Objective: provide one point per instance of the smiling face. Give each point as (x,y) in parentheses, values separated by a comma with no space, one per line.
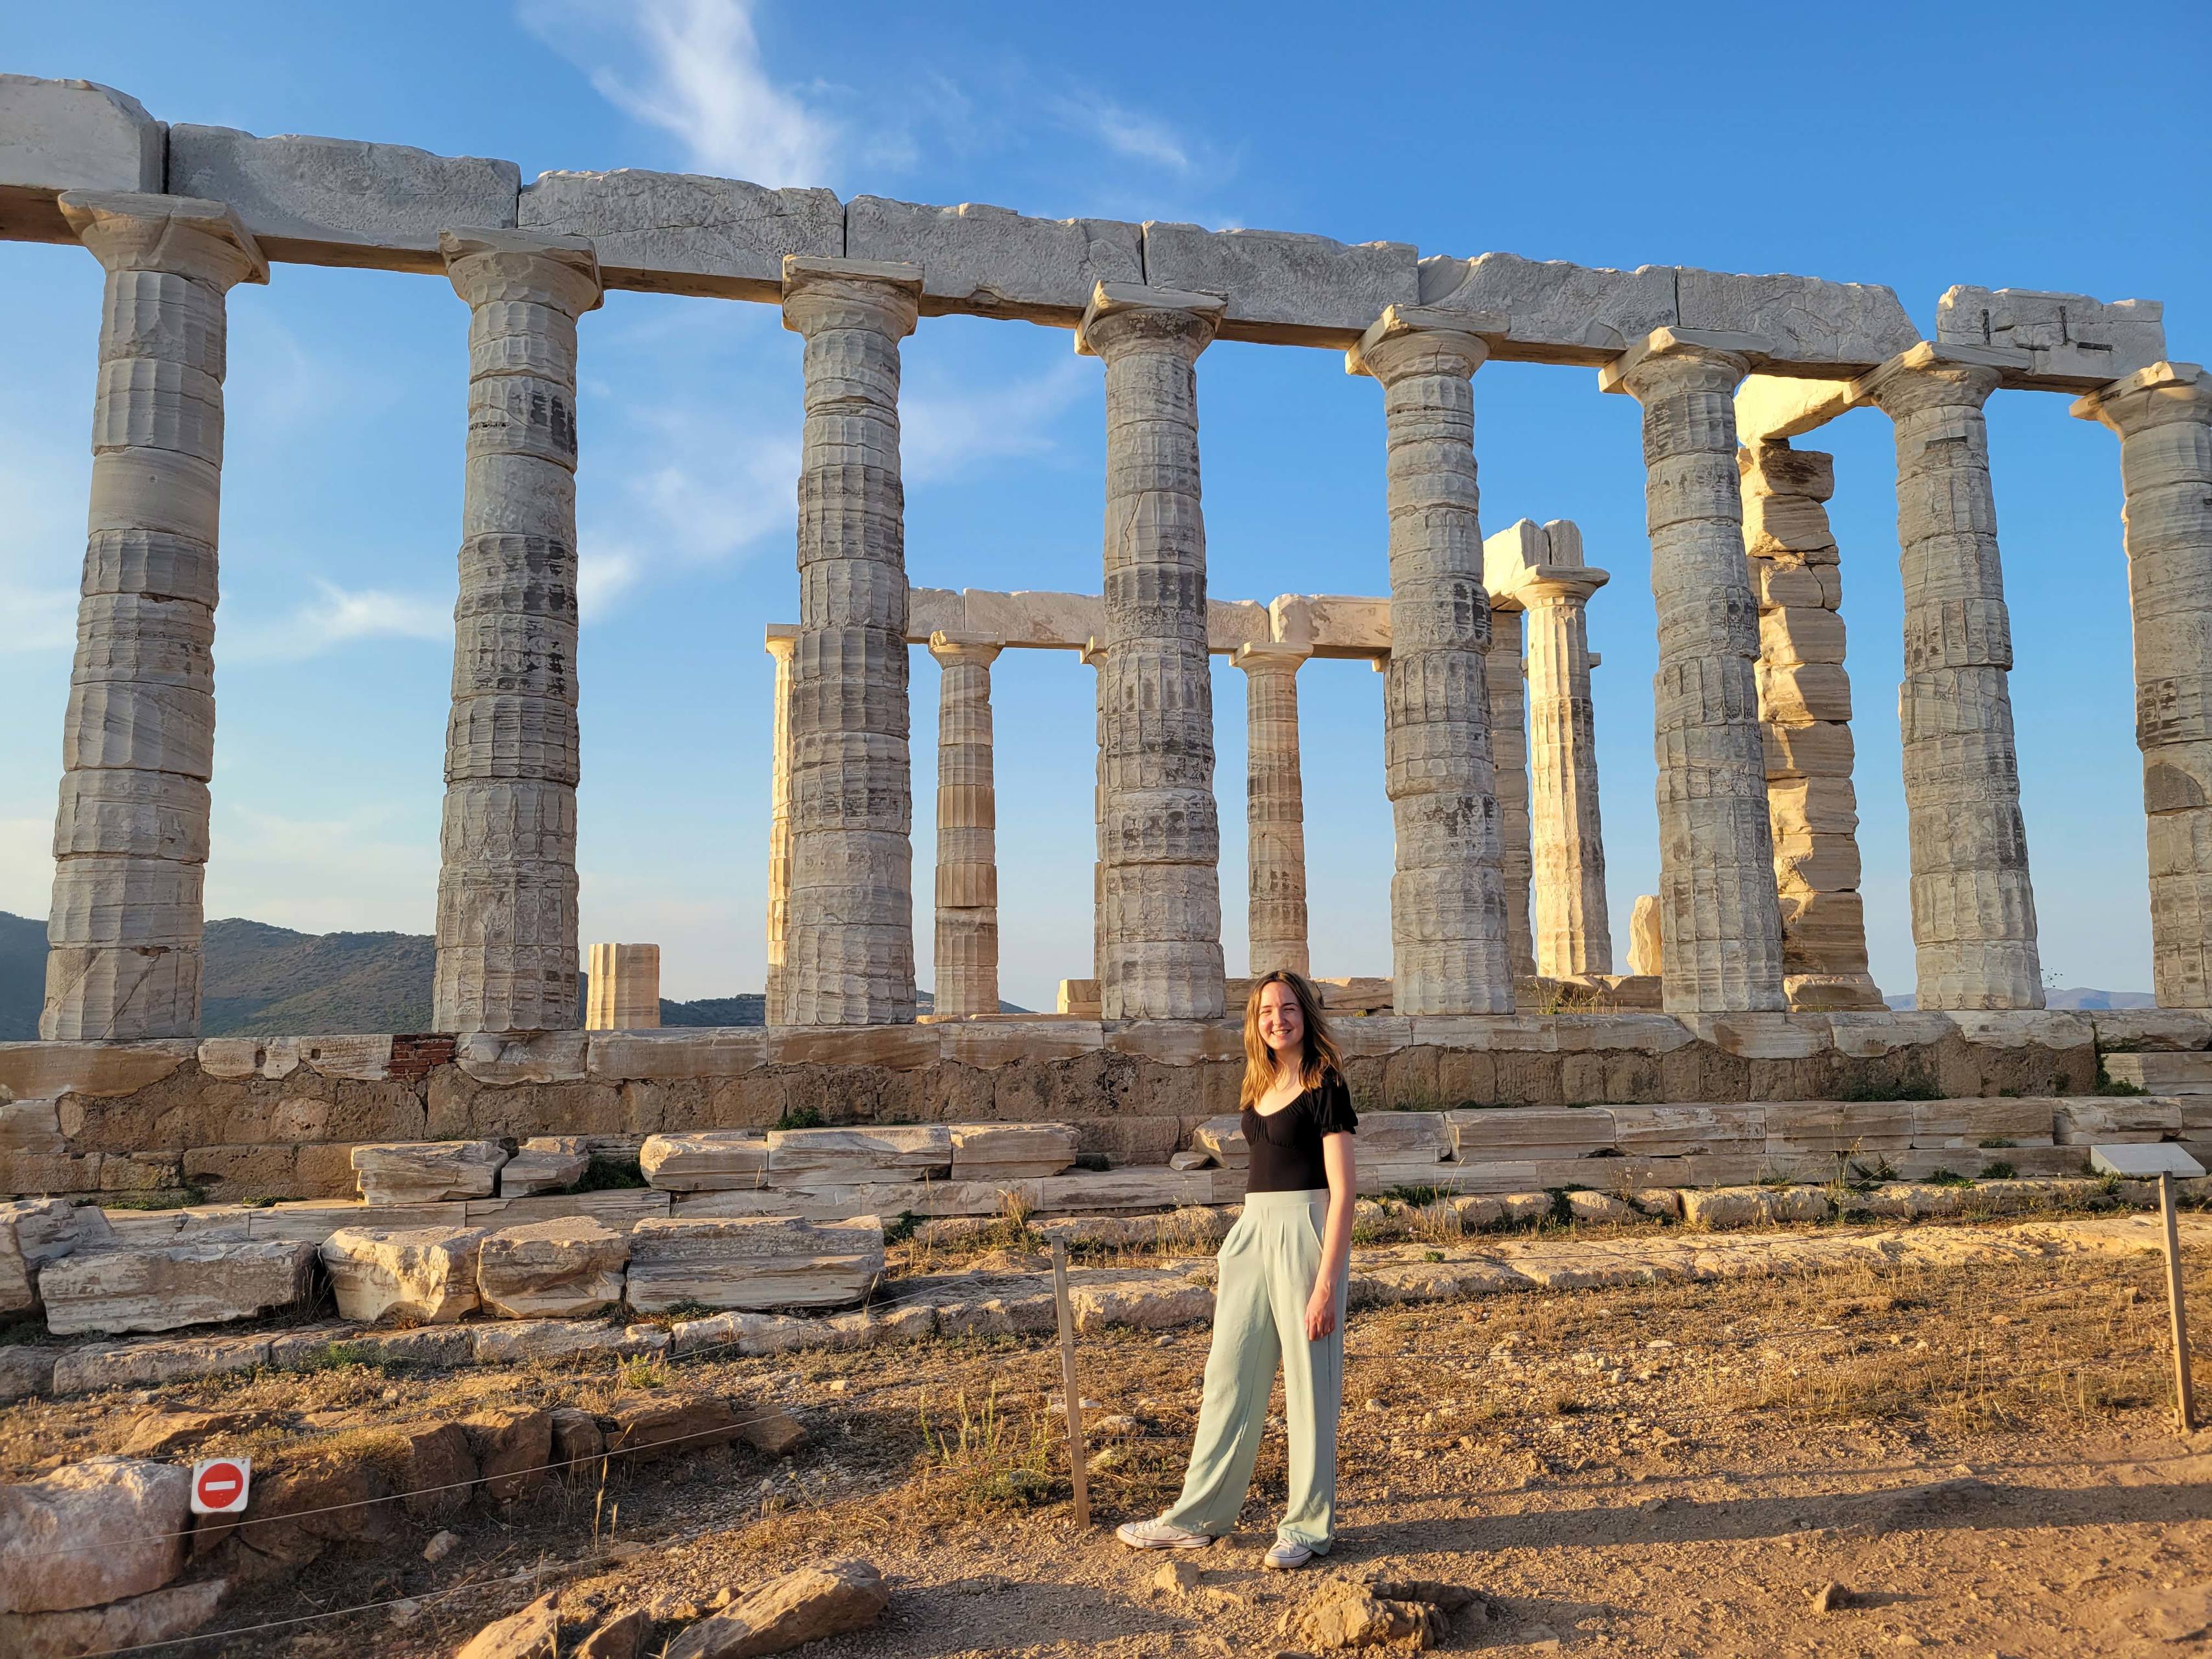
(1282,1024)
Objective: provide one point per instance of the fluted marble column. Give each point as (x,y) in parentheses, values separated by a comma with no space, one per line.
(1574,932)
(1450,947)
(849,952)
(1092,656)
(506,876)
(130,838)
(1973,905)
(1718,910)
(1159,899)
(2163,414)
(967,829)
(781,643)
(1274,809)
(1507,678)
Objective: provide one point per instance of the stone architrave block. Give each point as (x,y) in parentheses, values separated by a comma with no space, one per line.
(70,135)
(684,233)
(429,1273)
(163,1288)
(2072,340)
(339,202)
(1222,1139)
(1837,329)
(1688,1131)
(986,1152)
(705,1160)
(546,1162)
(1404,1137)
(1529,1134)
(753,1263)
(1554,312)
(993,261)
(35,1232)
(567,1268)
(917,1151)
(2162,1073)
(1283,287)
(2115,1119)
(427,1171)
(92,1533)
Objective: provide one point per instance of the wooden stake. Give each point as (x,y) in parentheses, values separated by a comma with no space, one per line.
(2185,1393)
(1077,1455)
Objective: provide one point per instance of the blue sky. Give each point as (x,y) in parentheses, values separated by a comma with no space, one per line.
(2005,145)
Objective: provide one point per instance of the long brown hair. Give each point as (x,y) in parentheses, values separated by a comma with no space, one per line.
(1321,1057)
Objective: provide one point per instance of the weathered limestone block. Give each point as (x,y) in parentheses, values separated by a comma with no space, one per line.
(35,1232)
(546,1162)
(1807,322)
(987,1152)
(568,1268)
(70,135)
(427,1171)
(799,1607)
(1283,285)
(25,1371)
(848,957)
(156,1619)
(1451,946)
(1980,1120)
(86,1370)
(99,1069)
(1646,937)
(1688,1131)
(2069,338)
(993,262)
(92,1533)
(683,232)
(1157,1189)
(428,1273)
(162,1287)
(1222,1139)
(1528,1133)
(1405,1137)
(1549,311)
(625,994)
(337,201)
(2188,1073)
(705,1160)
(2119,1119)
(1722,925)
(503,1059)
(1827,1128)
(753,1263)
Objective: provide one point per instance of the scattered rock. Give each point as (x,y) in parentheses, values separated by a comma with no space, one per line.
(405,1613)
(532,1633)
(1343,1615)
(669,1421)
(512,1444)
(577,1436)
(569,1267)
(1831,1597)
(618,1639)
(92,1533)
(441,1470)
(1453,1600)
(769,1428)
(1176,1577)
(799,1607)
(158,1616)
(440,1547)
(544,1162)
(428,1273)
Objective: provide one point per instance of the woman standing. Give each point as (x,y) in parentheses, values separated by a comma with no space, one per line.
(1279,1296)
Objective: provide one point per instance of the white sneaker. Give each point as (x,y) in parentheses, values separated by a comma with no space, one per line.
(1286,1555)
(1160,1535)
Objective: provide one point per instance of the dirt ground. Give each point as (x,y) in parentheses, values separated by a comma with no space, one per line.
(1983,1456)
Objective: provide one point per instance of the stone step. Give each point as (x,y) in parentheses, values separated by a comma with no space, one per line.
(2169,1074)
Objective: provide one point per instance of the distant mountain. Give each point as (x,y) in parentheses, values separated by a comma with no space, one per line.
(2071,996)
(260,981)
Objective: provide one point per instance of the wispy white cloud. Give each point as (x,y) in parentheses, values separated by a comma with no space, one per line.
(693,68)
(1140,136)
(337,617)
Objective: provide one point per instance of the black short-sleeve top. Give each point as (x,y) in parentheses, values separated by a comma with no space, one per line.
(1286,1145)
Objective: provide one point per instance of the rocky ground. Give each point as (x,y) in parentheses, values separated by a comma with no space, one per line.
(1975,1445)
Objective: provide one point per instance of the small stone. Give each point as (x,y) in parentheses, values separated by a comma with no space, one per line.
(530,1634)
(1174,1576)
(405,1613)
(440,1547)
(1831,1597)
(799,1607)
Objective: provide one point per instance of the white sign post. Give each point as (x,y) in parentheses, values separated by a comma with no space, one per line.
(219,1485)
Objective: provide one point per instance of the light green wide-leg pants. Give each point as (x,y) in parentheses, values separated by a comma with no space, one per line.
(1267,1265)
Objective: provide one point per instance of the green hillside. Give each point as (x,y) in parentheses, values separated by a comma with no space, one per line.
(22,977)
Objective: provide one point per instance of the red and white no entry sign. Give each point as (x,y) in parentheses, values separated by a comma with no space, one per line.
(219,1485)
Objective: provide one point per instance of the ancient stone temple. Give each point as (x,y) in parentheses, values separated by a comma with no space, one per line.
(1503,987)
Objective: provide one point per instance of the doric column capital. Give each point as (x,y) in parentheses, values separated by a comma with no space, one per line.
(1270,657)
(781,640)
(1668,361)
(489,265)
(1420,340)
(1930,375)
(1526,564)
(2150,397)
(1092,652)
(880,295)
(977,650)
(177,235)
(1126,317)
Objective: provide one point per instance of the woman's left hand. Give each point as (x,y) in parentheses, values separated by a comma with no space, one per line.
(1320,1312)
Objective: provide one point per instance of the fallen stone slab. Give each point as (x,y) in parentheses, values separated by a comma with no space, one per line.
(165,1287)
(1405,1137)
(1156,1301)
(566,1268)
(665,1422)
(756,1263)
(35,1232)
(1222,1139)
(432,1346)
(544,1162)
(427,1171)
(158,1617)
(1138,1188)
(785,1612)
(429,1273)
(150,1365)
(562,1338)
(999,1151)
(705,1160)
(92,1533)
(533,1633)
(916,1151)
